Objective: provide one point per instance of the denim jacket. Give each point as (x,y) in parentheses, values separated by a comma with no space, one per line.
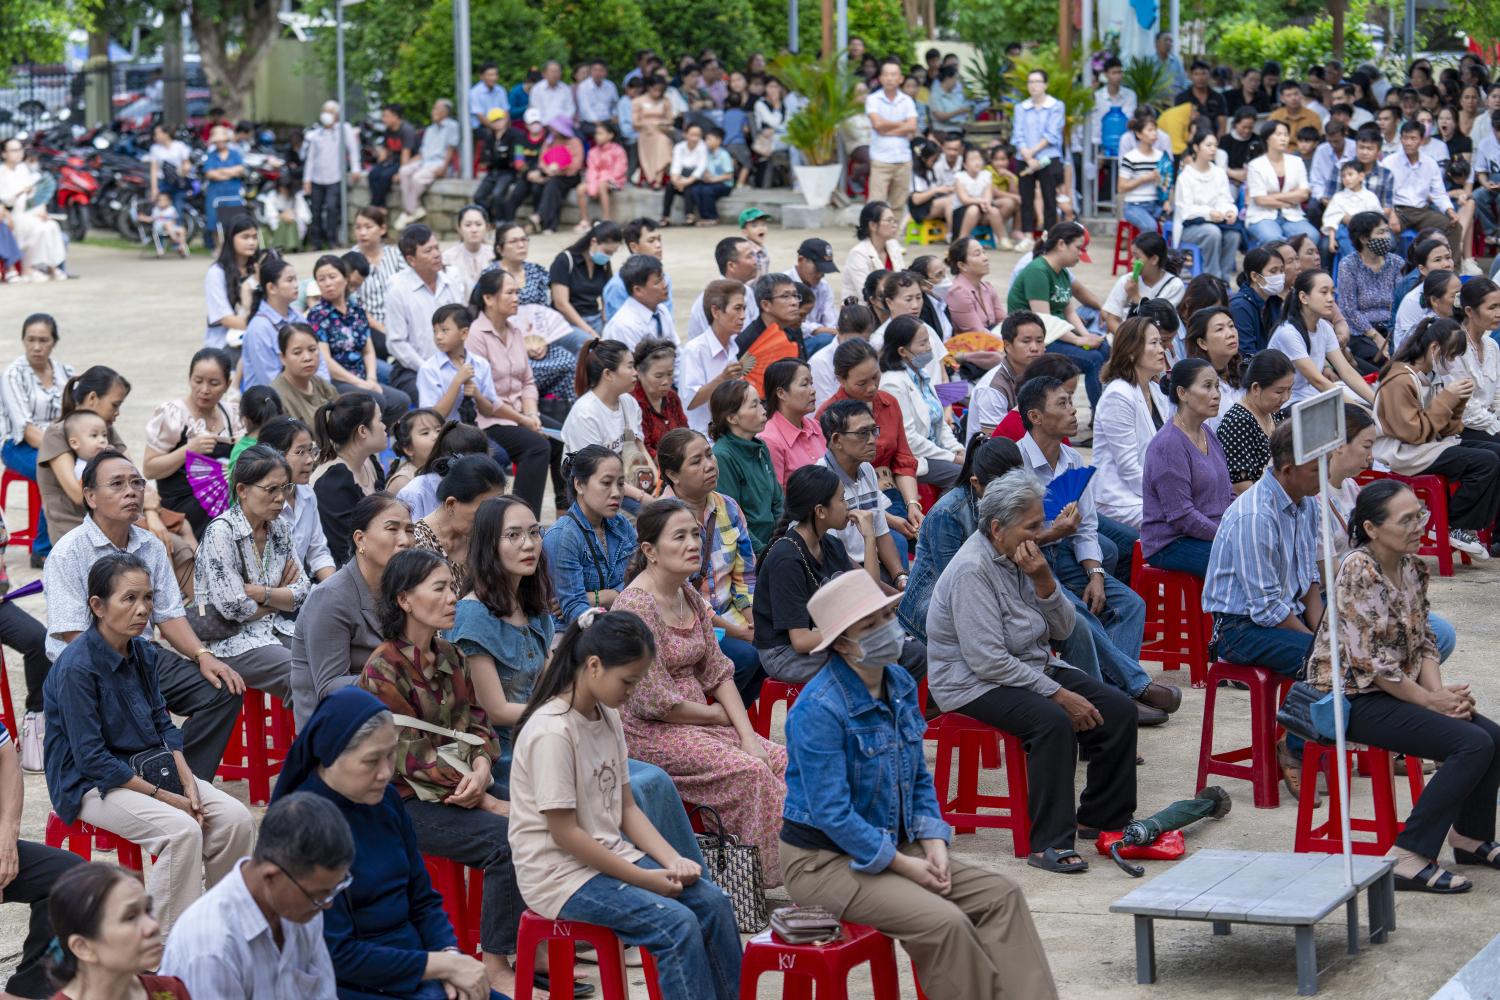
(854,770)
(944,530)
(579,564)
(101,706)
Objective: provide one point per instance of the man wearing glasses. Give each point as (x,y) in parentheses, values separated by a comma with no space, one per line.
(259,932)
(852,433)
(776,332)
(201,686)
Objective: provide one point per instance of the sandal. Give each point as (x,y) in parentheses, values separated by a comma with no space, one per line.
(1487,855)
(1432,879)
(1053,860)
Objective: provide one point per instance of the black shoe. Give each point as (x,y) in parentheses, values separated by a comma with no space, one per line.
(540,981)
(37,561)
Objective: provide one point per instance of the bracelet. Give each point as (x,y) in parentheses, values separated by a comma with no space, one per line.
(199,654)
(1096,569)
(154,790)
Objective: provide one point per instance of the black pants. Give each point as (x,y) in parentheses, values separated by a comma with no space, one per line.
(554,193)
(1050,178)
(533,454)
(382,176)
(1461,793)
(669,194)
(405,379)
(325,204)
(211,711)
(41,867)
(522,189)
(1475,466)
(1365,352)
(492,191)
(20,631)
(1108,800)
(393,402)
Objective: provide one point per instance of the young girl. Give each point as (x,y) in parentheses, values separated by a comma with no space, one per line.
(287,209)
(973,188)
(415,435)
(605,173)
(572,808)
(606,413)
(453,439)
(1006,199)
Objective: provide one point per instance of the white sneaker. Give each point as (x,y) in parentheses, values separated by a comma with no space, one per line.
(1005,243)
(418,215)
(1471,267)
(402,221)
(1025,245)
(633,957)
(1467,541)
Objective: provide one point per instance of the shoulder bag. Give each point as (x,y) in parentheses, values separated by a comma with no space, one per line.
(806,925)
(736,868)
(457,758)
(209,625)
(155,766)
(1308,712)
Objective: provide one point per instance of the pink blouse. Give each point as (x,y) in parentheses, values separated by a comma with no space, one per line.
(607,163)
(974,309)
(509,364)
(688,660)
(793,447)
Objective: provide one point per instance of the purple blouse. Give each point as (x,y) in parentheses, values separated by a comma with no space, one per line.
(1186,491)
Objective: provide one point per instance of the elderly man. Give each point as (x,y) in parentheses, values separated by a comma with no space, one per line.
(995,612)
(484,97)
(322,145)
(438,140)
(551,96)
(1166,57)
(597,95)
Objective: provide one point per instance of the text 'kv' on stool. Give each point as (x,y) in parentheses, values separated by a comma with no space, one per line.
(84,839)
(828,966)
(770,693)
(560,936)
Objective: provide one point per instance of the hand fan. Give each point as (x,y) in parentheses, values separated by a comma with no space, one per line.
(34,587)
(206,476)
(1063,490)
(949,393)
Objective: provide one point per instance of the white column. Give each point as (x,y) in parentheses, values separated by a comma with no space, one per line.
(463,73)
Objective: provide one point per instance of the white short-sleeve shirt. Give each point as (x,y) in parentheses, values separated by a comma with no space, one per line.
(1288,341)
(590,421)
(890,148)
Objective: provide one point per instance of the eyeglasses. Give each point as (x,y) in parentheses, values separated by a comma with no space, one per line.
(515,537)
(326,900)
(792,295)
(119,485)
(1415,523)
(284,492)
(516,240)
(873,431)
(310,451)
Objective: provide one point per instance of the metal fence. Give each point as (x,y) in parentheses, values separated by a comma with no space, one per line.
(35,90)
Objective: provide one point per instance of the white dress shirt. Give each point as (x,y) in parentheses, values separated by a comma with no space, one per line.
(553,101)
(633,323)
(409,305)
(688,161)
(890,148)
(320,153)
(596,101)
(1085,540)
(437,374)
(698,364)
(306,527)
(1122,429)
(943,173)
(1418,183)
(1325,162)
(698,320)
(825,384)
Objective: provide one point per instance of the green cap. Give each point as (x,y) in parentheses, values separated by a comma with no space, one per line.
(749,215)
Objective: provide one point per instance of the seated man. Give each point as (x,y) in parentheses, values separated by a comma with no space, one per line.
(438,140)
(642,236)
(776,332)
(224,946)
(995,612)
(1081,551)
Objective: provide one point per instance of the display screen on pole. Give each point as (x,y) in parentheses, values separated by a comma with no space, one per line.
(1317,425)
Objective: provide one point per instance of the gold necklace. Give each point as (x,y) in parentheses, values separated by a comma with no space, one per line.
(681,605)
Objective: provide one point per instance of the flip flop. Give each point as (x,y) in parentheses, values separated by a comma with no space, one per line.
(1432,879)
(1053,860)
(1487,855)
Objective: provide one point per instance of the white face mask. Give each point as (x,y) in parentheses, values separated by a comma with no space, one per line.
(1275,284)
(328,118)
(942,288)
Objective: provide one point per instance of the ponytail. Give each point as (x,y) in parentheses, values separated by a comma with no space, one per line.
(594,359)
(335,423)
(98,380)
(617,638)
(270,273)
(806,488)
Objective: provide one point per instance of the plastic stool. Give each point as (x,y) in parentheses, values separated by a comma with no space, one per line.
(1124,234)
(560,935)
(84,839)
(1176,629)
(462,898)
(985,235)
(770,693)
(969,737)
(9,708)
(827,966)
(1434,491)
(33,507)
(246,756)
(1375,764)
(925,232)
(1267,688)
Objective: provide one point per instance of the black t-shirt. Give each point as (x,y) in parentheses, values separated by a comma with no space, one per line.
(1238,149)
(1210,107)
(499,151)
(785,580)
(571,270)
(404,137)
(1234,99)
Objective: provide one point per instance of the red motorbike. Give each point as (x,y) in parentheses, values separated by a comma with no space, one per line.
(77,187)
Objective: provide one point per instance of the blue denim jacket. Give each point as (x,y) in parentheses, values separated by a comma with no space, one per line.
(578,563)
(854,770)
(101,706)
(944,530)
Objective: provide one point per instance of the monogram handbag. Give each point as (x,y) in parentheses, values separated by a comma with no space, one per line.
(736,868)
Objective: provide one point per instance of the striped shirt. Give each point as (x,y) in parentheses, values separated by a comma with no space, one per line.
(371,294)
(26,400)
(1265,555)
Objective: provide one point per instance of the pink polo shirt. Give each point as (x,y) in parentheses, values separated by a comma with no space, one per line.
(793,447)
(509,364)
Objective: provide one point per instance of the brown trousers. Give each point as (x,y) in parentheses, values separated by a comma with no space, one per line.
(1427,218)
(977,943)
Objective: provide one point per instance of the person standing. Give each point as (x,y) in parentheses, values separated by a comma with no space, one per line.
(1168,59)
(322,145)
(223,168)
(1038,138)
(893,121)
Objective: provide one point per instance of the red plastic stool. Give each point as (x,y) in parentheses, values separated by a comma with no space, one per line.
(1267,688)
(6,705)
(33,507)
(770,693)
(1433,491)
(1375,764)
(1177,631)
(560,935)
(1122,244)
(247,756)
(462,898)
(969,737)
(83,840)
(827,966)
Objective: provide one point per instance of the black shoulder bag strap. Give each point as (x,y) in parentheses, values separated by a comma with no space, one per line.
(591,542)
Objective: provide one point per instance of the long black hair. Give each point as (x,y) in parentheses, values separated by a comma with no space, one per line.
(1435,284)
(455,439)
(470,477)
(869,216)
(617,638)
(1373,504)
(407,426)
(228,260)
(1197,329)
(406,571)
(335,423)
(98,380)
(580,466)
(649,525)
(533,593)
(1292,310)
(603,231)
(260,405)
(280,433)
(780,374)
(898,334)
(806,488)
(987,459)
(1448,334)
(270,273)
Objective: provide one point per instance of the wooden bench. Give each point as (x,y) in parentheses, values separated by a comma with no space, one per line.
(1250,887)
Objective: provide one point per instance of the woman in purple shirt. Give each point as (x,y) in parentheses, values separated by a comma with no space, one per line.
(1186,479)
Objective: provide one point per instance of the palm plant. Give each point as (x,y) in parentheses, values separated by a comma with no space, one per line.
(1078,100)
(827,90)
(984,77)
(1150,80)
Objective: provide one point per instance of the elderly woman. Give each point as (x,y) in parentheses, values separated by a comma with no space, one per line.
(31,394)
(994,612)
(746,471)
(1185,485)
(864,834)
(293,440)
(199,422)
(104,710)
(1130,412)
(972,301)
(661,408)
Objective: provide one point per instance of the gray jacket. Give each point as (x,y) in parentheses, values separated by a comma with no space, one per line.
(336,633)
(1005,633)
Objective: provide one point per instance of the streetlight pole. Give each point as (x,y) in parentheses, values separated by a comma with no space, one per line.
(338,34)
(463,71)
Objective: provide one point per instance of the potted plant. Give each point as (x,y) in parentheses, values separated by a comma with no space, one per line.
(985,81)
(825,89)
(1150,81)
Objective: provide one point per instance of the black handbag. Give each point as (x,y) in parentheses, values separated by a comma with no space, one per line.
(1295,713)
(736,868)
(208,624)
(157,767)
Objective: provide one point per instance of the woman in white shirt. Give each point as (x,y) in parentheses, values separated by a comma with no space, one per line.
(166,151)
(1275,187)
(1211,335)
(689,161)
(906,353)
(472,254)
(40,239)
(1203,199)
(607,414)
(878,248)
(1435,296)
(1157,280)
(1306,337)
(1130,412)
(1479,313)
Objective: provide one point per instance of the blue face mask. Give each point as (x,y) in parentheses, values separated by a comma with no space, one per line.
(599,257)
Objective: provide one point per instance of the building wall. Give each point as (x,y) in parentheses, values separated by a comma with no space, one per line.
(288,89)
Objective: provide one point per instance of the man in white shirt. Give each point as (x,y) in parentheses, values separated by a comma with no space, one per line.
(320,172)
(712,359)
(1344,94)
(814,264)
(737,262)
(411,298)
(1111,95)
(1419,195)
(597,96)
(644,313)
(1389,120)
(893,121)
(226,946)
(552,97)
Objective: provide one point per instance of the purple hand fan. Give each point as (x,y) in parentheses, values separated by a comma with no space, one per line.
(949,393)
(206,476)
(34,587)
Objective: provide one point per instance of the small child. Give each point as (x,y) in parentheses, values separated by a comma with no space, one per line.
(717,180)
(164,223)
(1349,201)
(259,405)
(754,227)
(583,849)
(605,173)
(973,188)
(415,435)
(1308,139)
(87,435)
(737,135)
(454,382)
(1007,184)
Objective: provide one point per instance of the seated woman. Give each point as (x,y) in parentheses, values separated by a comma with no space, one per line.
(1262,284)
(968,930)
(746,472)
(301,389)
(248,571)
(726,581)
(469,482)
(446,747)
(590,543)
(104,706)
(904,355)
(1212,337)
(901,294)
(1245,431)
(1367,283)
(293,440)
(1130,412)
(346,341)
(972,300)
(199,422)
(350,434)
(454,439)
(1307,337)
(30,399)
(1157,281)
(1420,430)
(572,859)
(712,753)
(387,933)
(1416,302)
(1479,312)
(1275,188)
(792,433)
(104,912)
(661,407)
(1185,482)
(993,614)
(607,414)
(1397,698)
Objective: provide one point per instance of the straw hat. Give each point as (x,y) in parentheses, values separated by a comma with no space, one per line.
(843,601)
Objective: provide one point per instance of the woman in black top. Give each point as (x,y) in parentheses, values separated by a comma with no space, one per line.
(1245,431)
(579,275)
(350,434)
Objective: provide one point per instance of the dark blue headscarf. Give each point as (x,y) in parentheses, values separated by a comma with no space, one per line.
(328,732)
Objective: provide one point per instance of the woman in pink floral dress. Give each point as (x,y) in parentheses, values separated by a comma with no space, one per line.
(714,756)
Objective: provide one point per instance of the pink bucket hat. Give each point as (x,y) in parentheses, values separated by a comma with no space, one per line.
(843,601)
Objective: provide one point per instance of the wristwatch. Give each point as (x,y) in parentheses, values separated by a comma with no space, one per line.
(1096,569)
(198,656)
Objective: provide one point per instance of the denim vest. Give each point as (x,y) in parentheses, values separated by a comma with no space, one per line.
(944,530)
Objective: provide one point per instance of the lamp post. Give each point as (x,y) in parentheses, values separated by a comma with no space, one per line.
(463,72)
(338,34)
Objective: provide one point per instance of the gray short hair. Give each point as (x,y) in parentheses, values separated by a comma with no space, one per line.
(1008,498)
(446,104)
(364,732)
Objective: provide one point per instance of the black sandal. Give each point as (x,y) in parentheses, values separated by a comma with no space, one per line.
(1053,860)
(1487,855)
(1432,879)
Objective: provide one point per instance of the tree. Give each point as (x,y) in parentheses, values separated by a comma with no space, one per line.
(611,30)
(234,37)
(1479,19)
(32,31)
(1000,22)
(728,27)
(373,35)
(881,23)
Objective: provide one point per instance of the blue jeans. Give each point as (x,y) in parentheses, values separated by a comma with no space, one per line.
(1280,229)
(1119,627)
(692,938)
(817,342)
(1341,237)
(20,458)
(748,674)
(1217,246)
(657,797)
(1183,555)
(705,198)
(902,543)
(1143,214)
(1078,650)
(1089,360)
(573,342)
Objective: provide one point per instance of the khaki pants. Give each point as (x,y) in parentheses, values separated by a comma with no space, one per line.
(977,943)
(1428,218)
(416,178)
(890,183)
(187,858)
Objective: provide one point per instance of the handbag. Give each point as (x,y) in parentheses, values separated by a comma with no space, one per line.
(158,767)
(736,868)
(763,145)
(1308,712)
(806,925)
(459,760)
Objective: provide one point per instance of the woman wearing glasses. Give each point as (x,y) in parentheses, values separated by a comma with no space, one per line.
(248,572)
